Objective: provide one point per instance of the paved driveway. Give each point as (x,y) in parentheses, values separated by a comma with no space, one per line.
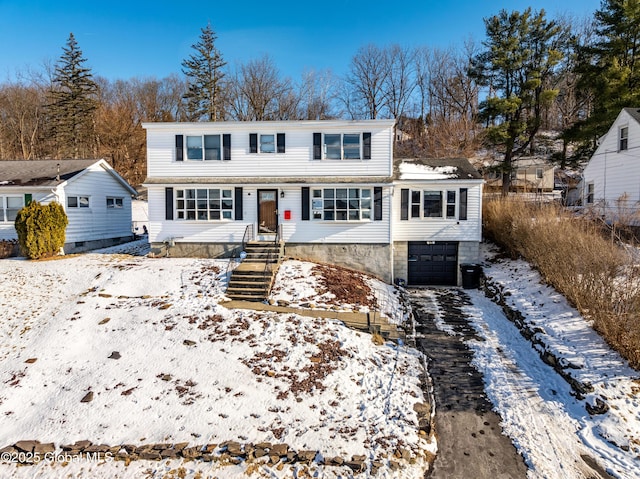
(470,442)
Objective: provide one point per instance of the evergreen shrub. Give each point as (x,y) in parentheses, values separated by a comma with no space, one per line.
(41,229)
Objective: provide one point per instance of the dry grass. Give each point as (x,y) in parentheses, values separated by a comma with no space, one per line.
(574,256)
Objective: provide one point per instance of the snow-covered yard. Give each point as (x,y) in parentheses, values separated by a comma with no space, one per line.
(145,344)
(542,414)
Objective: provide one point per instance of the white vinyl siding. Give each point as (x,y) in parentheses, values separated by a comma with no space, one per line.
(613,173)
(297,161)
(442,228)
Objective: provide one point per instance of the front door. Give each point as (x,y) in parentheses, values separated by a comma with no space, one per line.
(267,211)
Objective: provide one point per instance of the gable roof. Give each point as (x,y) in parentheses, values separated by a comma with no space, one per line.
(436,169)
(50,173)
(634,113)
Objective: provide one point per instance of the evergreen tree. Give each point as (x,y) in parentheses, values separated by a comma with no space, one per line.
(521,52)
(73,104)
(609,70)
(204,77)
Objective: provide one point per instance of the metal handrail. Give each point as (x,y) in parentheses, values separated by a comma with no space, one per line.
(246,237)
(266,271)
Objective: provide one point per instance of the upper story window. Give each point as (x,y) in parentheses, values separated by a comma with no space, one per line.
(115,203)
(77,202)
(539,173)
(203,147)
(9,207)
(266,143)
(342,146)
(204,204)
(206,147)
(623,143)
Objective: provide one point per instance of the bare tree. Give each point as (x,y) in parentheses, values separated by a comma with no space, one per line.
(316,92)
(364,93)
(400,80)
(258,93)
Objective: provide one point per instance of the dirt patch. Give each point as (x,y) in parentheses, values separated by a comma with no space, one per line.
(348,286)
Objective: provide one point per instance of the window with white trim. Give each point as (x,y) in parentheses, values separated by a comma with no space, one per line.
(204,204)
(341,204)
(115,202)
(590,193)
(77,202)
(432,204)
(449,204)
(9,207)
(623,138)
(342,146)
(204,147)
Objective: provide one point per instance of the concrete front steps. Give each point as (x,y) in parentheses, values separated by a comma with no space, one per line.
(253,278)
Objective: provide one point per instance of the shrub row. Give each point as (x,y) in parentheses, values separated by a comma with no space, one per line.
(574,256)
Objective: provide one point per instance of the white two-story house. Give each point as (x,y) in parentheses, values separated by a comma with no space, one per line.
(611,179)
(330,190)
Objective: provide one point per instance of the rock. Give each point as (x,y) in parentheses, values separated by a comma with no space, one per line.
(104,321)
(100,448)
(191,452)
(87,397)
(336,461)
(306,456)
(161,446)
(279,450)
(42,449)
(168,454)
(355,466)
(264,445)
(600,407)
(26,446)
(188,342)
(180,446)
(259,452)
(31,360)
(115,355)
(166,377)
(235,449)
(9,450)
(150,456)
(209,448)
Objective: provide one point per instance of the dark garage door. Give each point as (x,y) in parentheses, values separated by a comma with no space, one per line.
(433,263)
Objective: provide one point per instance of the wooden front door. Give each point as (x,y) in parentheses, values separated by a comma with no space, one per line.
(267,211)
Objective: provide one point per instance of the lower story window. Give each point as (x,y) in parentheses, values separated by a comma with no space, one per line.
(341,204)
(114,202)
(77,202)
(204,204)
(9,207)
(590,193)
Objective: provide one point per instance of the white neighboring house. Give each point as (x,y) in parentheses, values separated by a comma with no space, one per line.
(611,179)
(96,199)
(330,190)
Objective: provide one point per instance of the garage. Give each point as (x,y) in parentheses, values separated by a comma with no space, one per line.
(433,263)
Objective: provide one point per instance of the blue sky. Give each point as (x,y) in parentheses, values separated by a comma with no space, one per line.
(122,40)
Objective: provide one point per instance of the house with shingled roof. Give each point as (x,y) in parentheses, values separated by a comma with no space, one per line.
(327,191)
(96,199)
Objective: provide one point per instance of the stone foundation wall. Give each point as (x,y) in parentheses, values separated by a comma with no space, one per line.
(80,246)
(374,259)
(195,250)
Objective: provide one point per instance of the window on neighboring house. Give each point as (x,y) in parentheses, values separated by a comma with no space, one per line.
(432,201)
(590,193)
(9,207)
(624,138)
(113,202)
(204,204)
(204,147)
(77,202)
(539,173)
(341,204)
